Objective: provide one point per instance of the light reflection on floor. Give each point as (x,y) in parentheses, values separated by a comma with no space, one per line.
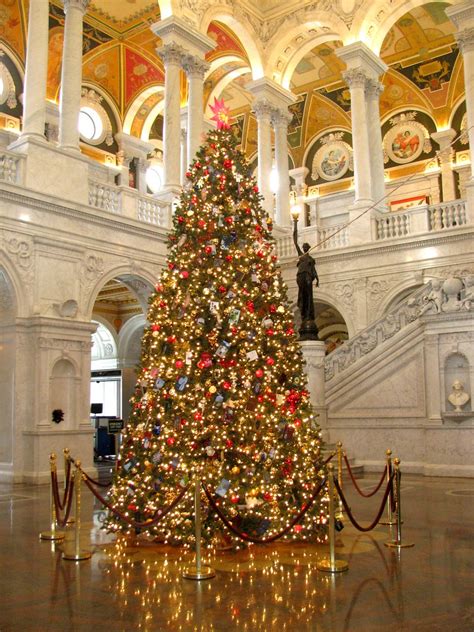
(126,586)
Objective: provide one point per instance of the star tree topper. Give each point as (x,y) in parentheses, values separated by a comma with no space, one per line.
(221,114)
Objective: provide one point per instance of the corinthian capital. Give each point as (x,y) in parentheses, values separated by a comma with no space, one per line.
(281,118)
(355,78)
(374,88)
(171,53)
(262,109)
(76,4)
(465,39)
(195,66)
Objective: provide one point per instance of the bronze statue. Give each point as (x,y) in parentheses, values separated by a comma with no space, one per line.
(305,276)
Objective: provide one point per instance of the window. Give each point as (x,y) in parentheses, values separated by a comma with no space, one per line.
(90,124)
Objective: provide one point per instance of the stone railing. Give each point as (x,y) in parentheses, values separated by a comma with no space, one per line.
(10,167)
(452,295)
(152,211)
(325,238)
(104,197)
(447,215)
(421,219)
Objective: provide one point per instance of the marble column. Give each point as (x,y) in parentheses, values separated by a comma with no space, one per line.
(172,55)
(34,100)
(132,147)
(299,175)
(445,157)
(71,74)
(373,91)
(263,111)
(183,154)
(195,68)
(357,79)
(280,120)
(314,352)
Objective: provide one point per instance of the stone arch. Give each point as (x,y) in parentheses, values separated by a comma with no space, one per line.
(13,284)
(247,39)
(8,366)
(284,55)
(104,337)
(372,25)
(150,119)
(139,281)
(137,103)
(223,83)
(395,295)
(127,344)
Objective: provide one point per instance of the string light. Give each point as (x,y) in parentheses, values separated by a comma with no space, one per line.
(221,390)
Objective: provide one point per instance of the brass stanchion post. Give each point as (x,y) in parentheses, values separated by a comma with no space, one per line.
(54,533)
(390,520)
(67,456)
(398,541)
(340,511)
(77,555)
(198,572)
(331,565)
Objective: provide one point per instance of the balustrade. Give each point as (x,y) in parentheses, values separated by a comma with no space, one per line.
(104,197)
(9,167)
(447,215)
(152,212)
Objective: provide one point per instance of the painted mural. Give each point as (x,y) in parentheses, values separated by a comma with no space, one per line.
(139,73)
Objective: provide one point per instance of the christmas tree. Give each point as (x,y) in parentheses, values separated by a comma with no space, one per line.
(221,391)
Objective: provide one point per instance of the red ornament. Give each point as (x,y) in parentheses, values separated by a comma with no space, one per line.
(198,416)
(273,308)
(270,361)
(297,422)
(170,265)
(248,210)
(228,257)
(258,228)
(197,165)
(222,289)
(229,220)
(234,499)
(188,174)
(229,443)
(297,528)
(181,219)
(155,328)
(250,306)
(227,385)
(227,163)
(259,372)
(179,364)
(201,223)
(171,339)
(290,331)
(184,274)
(267,496)
(255,189)
(170,440)
(270,332)
(158,287)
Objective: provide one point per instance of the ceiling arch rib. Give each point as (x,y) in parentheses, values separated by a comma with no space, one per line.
(137,104)
(299,55)
(150,119)
(222,85)
(372,26)
(247,39)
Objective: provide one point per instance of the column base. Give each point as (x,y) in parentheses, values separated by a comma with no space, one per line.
(360,230)
(26,137)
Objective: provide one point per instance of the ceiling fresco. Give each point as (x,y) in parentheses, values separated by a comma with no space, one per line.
(425,67)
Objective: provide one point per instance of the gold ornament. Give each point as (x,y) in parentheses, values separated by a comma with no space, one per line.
(235,470)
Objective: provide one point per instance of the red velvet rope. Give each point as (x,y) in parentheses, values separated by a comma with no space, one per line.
(369,494)
(351,517)
(133,523)
(331,456)
(68,502)
(98,483)
(247,538)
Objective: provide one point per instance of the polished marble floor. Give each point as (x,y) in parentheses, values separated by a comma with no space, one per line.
(425,588)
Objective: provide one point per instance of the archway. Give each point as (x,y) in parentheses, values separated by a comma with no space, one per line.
(8,312)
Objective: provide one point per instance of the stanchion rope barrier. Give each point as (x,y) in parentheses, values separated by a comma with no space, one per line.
(379,514)
(354,482)
(277,536)
(66,503)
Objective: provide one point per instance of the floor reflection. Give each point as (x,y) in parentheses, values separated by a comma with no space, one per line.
(263,588)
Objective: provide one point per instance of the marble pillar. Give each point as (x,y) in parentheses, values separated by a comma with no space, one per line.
(195,68)
(184,154)
(373,91)
(314,352)
(445,158)
(34,99)
(357,79)
(172,55)
(71,74)
(132,147)
(463,17)
(299,175)
(263,111)
(281,119)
